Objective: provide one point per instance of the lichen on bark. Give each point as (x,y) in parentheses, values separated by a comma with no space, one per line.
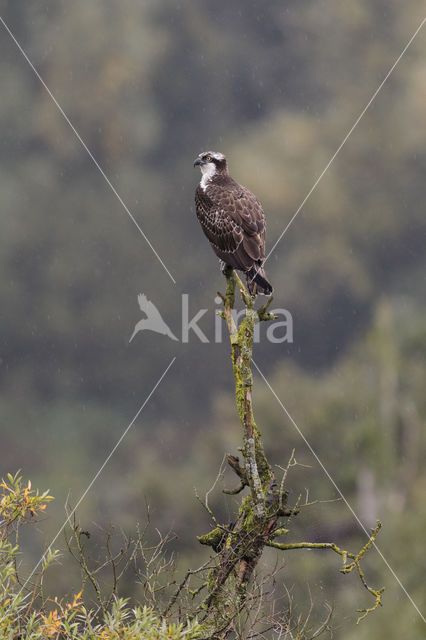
(239,545)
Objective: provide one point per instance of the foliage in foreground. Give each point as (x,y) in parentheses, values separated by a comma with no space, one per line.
(26,613)
(227,581)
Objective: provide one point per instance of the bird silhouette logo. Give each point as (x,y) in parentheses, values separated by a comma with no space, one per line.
(153,321)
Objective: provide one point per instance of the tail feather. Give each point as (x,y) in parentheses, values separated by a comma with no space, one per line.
(257,275)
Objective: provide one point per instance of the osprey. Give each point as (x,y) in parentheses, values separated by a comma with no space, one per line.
(232,219)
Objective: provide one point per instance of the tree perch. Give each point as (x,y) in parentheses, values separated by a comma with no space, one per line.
(239,545)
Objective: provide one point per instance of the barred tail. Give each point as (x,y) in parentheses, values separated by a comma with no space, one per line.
(257,275)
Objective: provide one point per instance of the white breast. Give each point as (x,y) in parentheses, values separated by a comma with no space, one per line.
(208,170)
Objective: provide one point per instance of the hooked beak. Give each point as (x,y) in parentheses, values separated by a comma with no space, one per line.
(198,162)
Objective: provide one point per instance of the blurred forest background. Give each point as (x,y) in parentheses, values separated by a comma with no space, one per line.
(275,86)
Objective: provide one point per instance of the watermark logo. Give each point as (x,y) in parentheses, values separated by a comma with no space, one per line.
(278,331)
(152,321)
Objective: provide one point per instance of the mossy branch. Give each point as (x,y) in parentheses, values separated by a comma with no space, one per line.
(239,545)
(347,567)
(257,470)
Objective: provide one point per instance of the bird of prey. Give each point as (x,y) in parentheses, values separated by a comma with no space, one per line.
(153,320)
(232,219)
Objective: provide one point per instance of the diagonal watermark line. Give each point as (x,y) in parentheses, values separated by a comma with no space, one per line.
(345,139)
(98,473)
(90,154)
(338,490)
(314,186)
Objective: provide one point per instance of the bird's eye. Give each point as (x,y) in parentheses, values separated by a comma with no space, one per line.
(208,158)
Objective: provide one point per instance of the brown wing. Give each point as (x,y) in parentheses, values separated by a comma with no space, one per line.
(249,214)
(223,232)
(232,219)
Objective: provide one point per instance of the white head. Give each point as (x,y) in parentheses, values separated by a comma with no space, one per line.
(210,163)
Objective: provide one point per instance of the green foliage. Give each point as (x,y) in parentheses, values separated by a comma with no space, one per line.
(276,86)
(29,613)
(19,503)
